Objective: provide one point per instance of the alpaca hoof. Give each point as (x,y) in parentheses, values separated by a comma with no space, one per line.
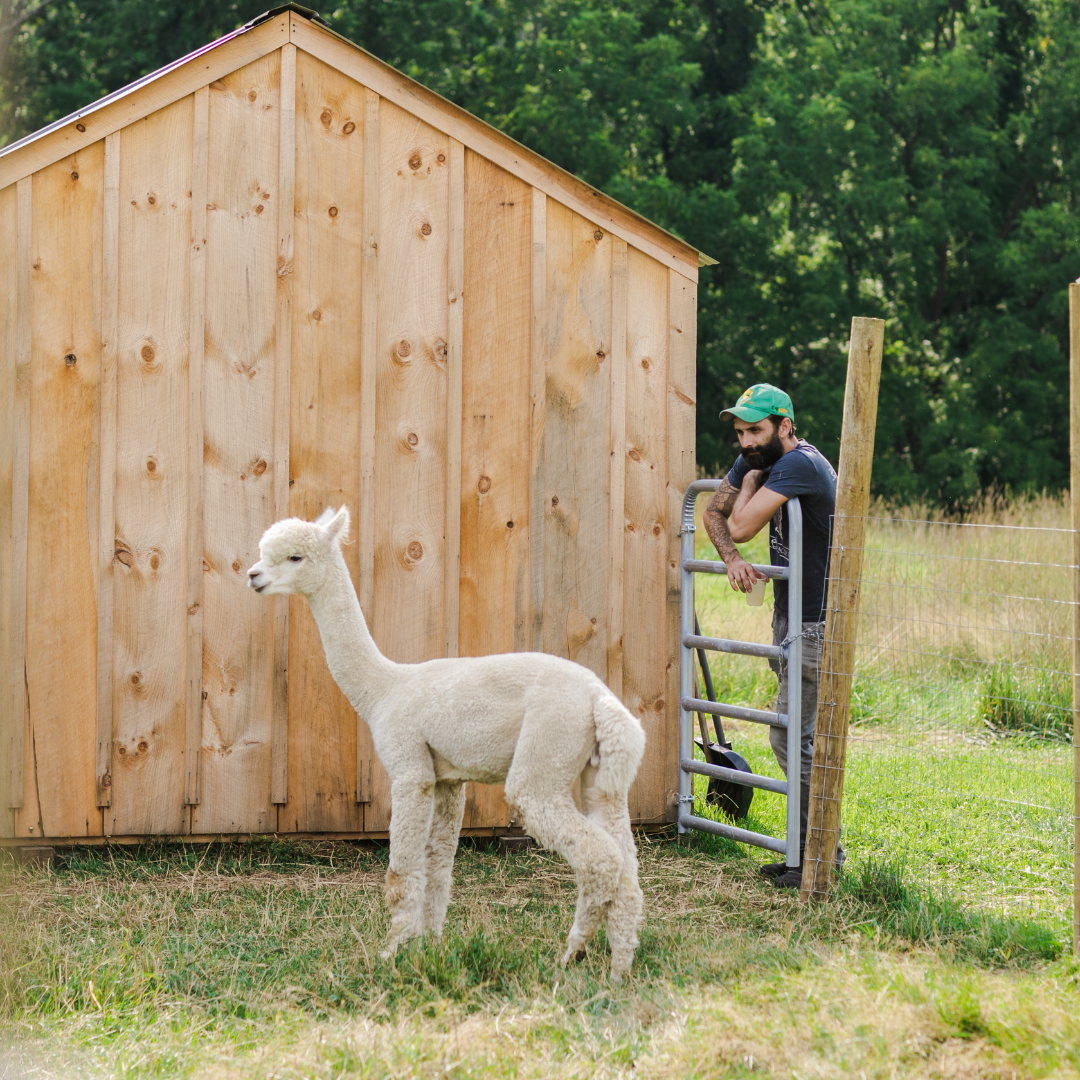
(575,954)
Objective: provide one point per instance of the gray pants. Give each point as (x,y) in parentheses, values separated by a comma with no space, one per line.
(813,637)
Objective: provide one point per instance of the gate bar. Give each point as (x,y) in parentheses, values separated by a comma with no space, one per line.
(736,776)
(733,832)
(704,566)
(730,645)
(736,712)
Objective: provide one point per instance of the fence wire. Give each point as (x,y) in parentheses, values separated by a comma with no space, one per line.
(960,764)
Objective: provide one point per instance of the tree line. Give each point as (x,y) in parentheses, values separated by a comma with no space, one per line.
(913,160)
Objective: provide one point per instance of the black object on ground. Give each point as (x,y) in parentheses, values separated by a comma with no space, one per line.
(728,797)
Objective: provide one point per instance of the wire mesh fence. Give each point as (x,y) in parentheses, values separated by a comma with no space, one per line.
(960,761)
(962,705)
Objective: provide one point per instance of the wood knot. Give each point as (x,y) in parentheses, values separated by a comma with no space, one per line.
(425,229)
(657,529)
(326,118)
(74,175)
(402,349)
(236,566)
(483,485)
(124,557)
(412,438)
(317,315)
(440,349)
(143,746)
(106,780)
(593,620)
(415,550)
(333,211)
(349,128)
(147,354)
(121,750)
(634,455)
(71,359)
(80,127)
(646,363)
(260,467)
(151,465)
(509,524)
(659,706)
(598,235)
(151,198)
(415,160)
(260,208)
(441,159)
(252,95)
(193,609)
(136,678)
(155,561)
(600,353)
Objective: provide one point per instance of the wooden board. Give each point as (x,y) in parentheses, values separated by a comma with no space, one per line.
(537,414)
(682,471)
(576,438)
(149,569)
(495,430)
(17,718)
(238,477)
(62,537)
(328,245)
(616,466)
(410,441)
(193,699)
(645,530)
(283,332)
(9,234)
(106,538)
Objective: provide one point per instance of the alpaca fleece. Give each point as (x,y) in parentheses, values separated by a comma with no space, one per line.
(536,723)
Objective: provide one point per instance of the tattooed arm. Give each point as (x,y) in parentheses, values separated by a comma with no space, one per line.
(741,574)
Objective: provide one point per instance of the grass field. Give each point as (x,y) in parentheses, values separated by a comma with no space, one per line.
(941,955)
(262,961)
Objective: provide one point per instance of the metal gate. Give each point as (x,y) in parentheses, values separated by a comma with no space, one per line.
(789,654)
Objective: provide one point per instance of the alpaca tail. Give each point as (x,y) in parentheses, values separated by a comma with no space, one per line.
(621,741)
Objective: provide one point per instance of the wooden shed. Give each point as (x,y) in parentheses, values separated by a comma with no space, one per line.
(279,275)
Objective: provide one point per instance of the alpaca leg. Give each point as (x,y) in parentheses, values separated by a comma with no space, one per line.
(624,914)
(412,802)
(556,823)
(441,848)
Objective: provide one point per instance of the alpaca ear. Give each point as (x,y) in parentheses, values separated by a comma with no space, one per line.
(325,517)
(337,528)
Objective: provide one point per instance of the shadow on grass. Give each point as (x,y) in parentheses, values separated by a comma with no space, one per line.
(921,916)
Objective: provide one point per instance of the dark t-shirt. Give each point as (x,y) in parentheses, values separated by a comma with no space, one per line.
(802,472)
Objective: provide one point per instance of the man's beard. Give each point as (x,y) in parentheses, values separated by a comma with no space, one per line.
(765,457)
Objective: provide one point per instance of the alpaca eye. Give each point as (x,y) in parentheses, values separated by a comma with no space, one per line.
(296,558)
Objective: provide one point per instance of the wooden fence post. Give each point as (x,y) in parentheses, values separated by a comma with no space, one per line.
(845,576)
(1074,490)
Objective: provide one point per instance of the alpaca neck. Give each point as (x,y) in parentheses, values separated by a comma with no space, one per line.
(360,670)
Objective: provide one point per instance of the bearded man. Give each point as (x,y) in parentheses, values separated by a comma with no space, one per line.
(775,466)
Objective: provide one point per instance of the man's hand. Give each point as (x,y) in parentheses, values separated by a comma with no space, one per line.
(741,575)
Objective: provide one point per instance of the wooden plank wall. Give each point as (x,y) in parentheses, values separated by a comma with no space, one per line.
(325,433)
(61,564)
(238,462)
(367,313)
(9,237)
(495,430)
(150,564)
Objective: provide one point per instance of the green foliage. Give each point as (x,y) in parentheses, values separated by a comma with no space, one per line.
(1025,700)
(915,160)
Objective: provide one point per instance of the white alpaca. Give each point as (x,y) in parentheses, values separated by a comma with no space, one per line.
(535,721)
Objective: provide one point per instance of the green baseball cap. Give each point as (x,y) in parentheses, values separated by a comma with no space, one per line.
(761,400)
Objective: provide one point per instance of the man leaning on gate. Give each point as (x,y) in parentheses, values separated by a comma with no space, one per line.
(775,466)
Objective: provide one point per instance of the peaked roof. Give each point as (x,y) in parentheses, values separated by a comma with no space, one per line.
(304,28)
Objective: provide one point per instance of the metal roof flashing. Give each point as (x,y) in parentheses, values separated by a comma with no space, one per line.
(313,17)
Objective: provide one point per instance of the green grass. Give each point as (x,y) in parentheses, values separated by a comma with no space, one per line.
(262,960)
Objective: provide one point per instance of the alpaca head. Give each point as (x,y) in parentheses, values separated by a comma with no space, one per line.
(296,555)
